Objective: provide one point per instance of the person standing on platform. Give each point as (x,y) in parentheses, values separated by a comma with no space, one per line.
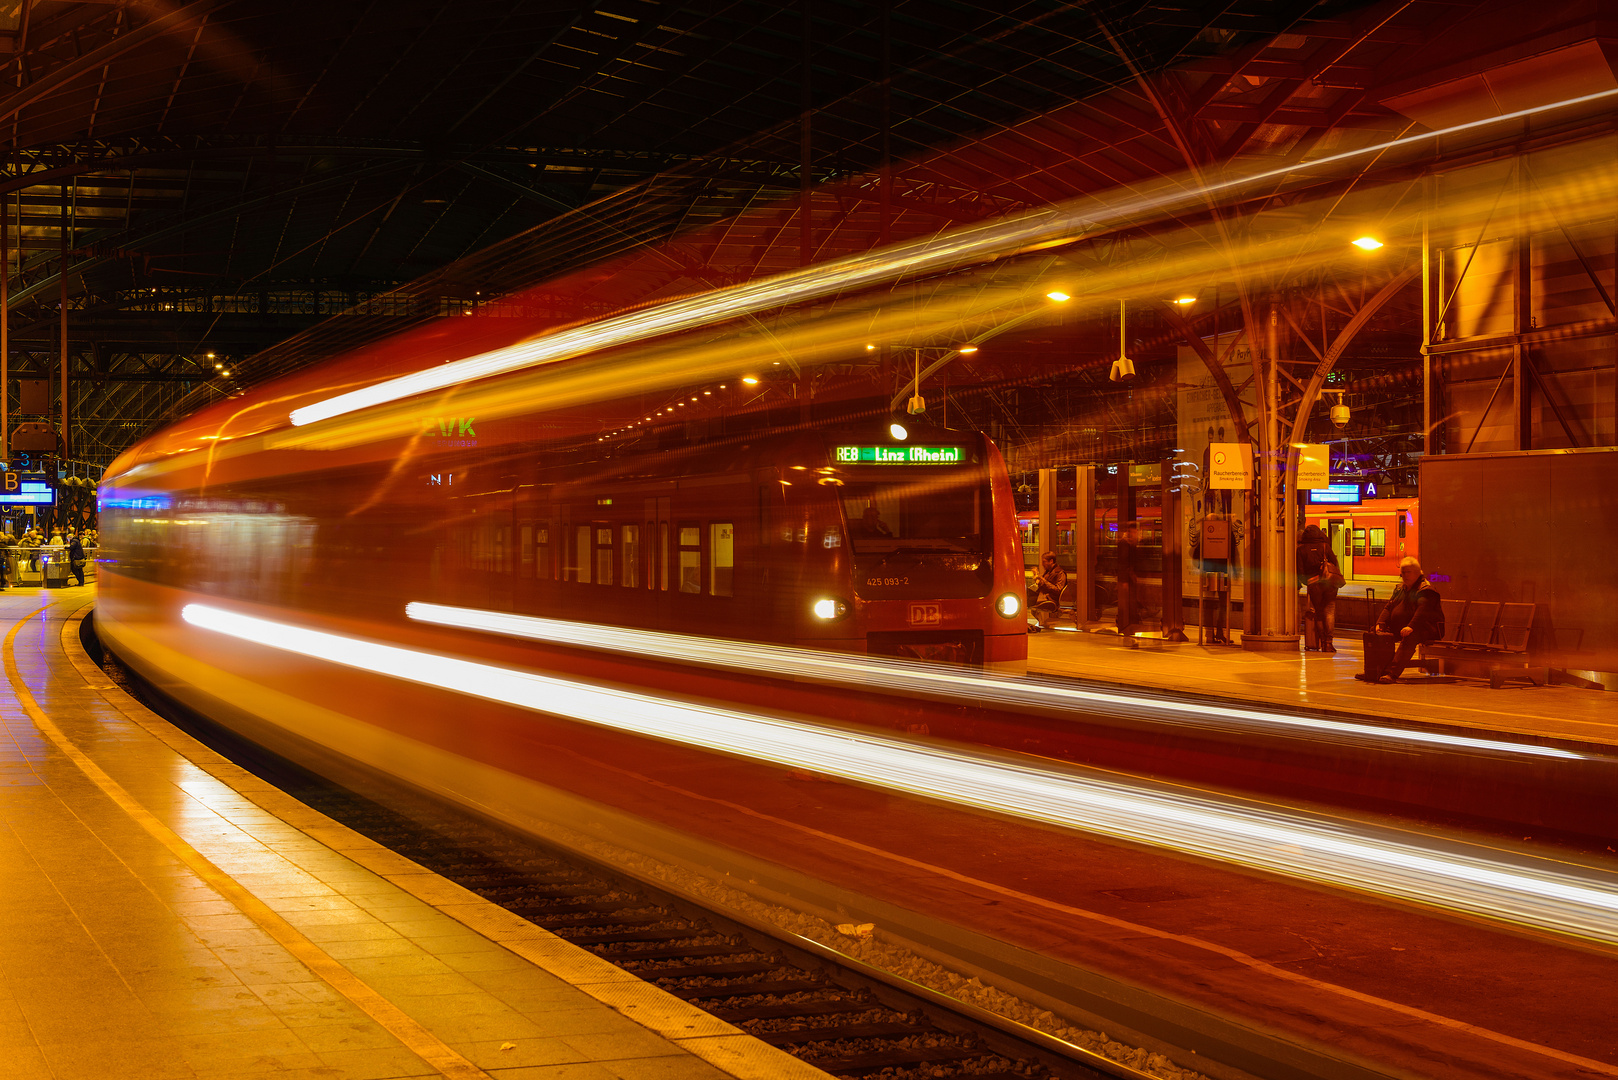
(1320,578)
(75,558)
(1412,617)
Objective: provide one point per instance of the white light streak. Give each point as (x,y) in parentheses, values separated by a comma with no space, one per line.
(1036,229)
(889,676)
(1452,876)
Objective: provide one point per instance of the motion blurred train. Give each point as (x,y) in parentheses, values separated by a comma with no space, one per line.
(863,537)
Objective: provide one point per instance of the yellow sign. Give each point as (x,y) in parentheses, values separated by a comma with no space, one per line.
(1314,466)
(1230,465)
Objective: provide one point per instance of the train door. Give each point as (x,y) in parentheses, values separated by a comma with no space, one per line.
(1342,544)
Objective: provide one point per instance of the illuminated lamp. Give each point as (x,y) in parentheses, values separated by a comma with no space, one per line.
(1367,243)
(1008,605)
(898,431)
(750,380)
(1184,300)
(829,609)
(967,349)
(1058,295)
(870,348)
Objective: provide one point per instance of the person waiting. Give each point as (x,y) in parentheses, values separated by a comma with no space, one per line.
(1320,577)
(75,557)
(1413,616)
(1045,595)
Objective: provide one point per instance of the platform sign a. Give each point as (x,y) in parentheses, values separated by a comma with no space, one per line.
(1314,466)
(1230,466)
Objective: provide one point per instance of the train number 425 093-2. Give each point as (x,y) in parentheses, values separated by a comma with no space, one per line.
(887,581)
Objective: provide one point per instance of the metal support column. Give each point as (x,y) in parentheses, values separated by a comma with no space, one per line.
(1084,544)
(1522,387)
(1278,617)
(5,326)
(1173,556)
(1047,515)
(66,228)
(1429,410)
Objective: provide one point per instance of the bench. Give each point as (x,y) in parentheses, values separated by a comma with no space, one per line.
(1488,634)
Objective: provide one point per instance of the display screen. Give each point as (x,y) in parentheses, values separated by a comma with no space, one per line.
(29,493)
(1341,494)
(901,455)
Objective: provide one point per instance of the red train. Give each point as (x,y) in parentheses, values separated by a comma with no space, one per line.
(860,538)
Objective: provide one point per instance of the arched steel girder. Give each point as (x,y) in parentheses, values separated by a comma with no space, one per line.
(1340,343)
(1214,364)
(105,54)
(187,221)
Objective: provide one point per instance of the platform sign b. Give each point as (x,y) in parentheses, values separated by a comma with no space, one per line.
(11,484)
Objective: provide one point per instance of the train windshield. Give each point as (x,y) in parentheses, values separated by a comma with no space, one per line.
(942,515)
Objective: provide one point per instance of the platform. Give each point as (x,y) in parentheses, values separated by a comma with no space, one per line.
(1325,681)
(168,914)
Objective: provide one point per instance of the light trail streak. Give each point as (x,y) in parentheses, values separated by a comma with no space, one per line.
(1025,232)
(1457,877)
(888,677)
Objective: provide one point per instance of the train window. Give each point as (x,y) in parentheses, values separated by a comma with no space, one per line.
(582,550)
(690,560)
(722,559)
(1404,519)
(943,515)
(631,574)
(1359,542)
(1379,542)
(542,553)
(527,556)
(604,556)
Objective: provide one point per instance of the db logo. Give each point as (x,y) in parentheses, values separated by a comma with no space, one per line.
(925,615)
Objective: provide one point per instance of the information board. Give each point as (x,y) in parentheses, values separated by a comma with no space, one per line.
(1337,494)
(30,492)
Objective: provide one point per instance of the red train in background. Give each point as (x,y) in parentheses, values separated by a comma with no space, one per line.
(861,538)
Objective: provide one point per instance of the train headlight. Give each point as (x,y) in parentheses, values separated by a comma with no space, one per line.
(829,609)
(1009,605)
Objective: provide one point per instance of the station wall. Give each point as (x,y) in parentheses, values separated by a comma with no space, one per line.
(1535,526)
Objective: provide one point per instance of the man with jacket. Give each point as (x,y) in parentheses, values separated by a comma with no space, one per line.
(75,557)
(1413,614)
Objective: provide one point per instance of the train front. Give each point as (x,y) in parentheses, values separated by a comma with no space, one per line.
(933,561)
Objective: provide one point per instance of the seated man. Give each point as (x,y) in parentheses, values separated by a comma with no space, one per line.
(1413,615)
(1045,595)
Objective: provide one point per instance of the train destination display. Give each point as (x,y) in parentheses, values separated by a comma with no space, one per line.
(901,455)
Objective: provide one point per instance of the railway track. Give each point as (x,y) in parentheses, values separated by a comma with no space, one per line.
(840,1020)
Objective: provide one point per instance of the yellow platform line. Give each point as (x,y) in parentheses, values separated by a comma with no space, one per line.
(423,1043)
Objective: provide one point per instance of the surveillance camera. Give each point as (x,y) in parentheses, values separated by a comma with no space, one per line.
(917,405)
(1339,414)
(1123,369)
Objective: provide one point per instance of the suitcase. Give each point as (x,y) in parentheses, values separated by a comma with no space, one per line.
(1379,649)
(1311,639)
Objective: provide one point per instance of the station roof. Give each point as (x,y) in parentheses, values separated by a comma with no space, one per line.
(271,183)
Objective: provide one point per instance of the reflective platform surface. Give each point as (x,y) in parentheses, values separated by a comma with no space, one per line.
(1325,681)
(169,915)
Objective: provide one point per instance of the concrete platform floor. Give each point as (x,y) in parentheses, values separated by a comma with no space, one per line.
(167,914)
(1325,681)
